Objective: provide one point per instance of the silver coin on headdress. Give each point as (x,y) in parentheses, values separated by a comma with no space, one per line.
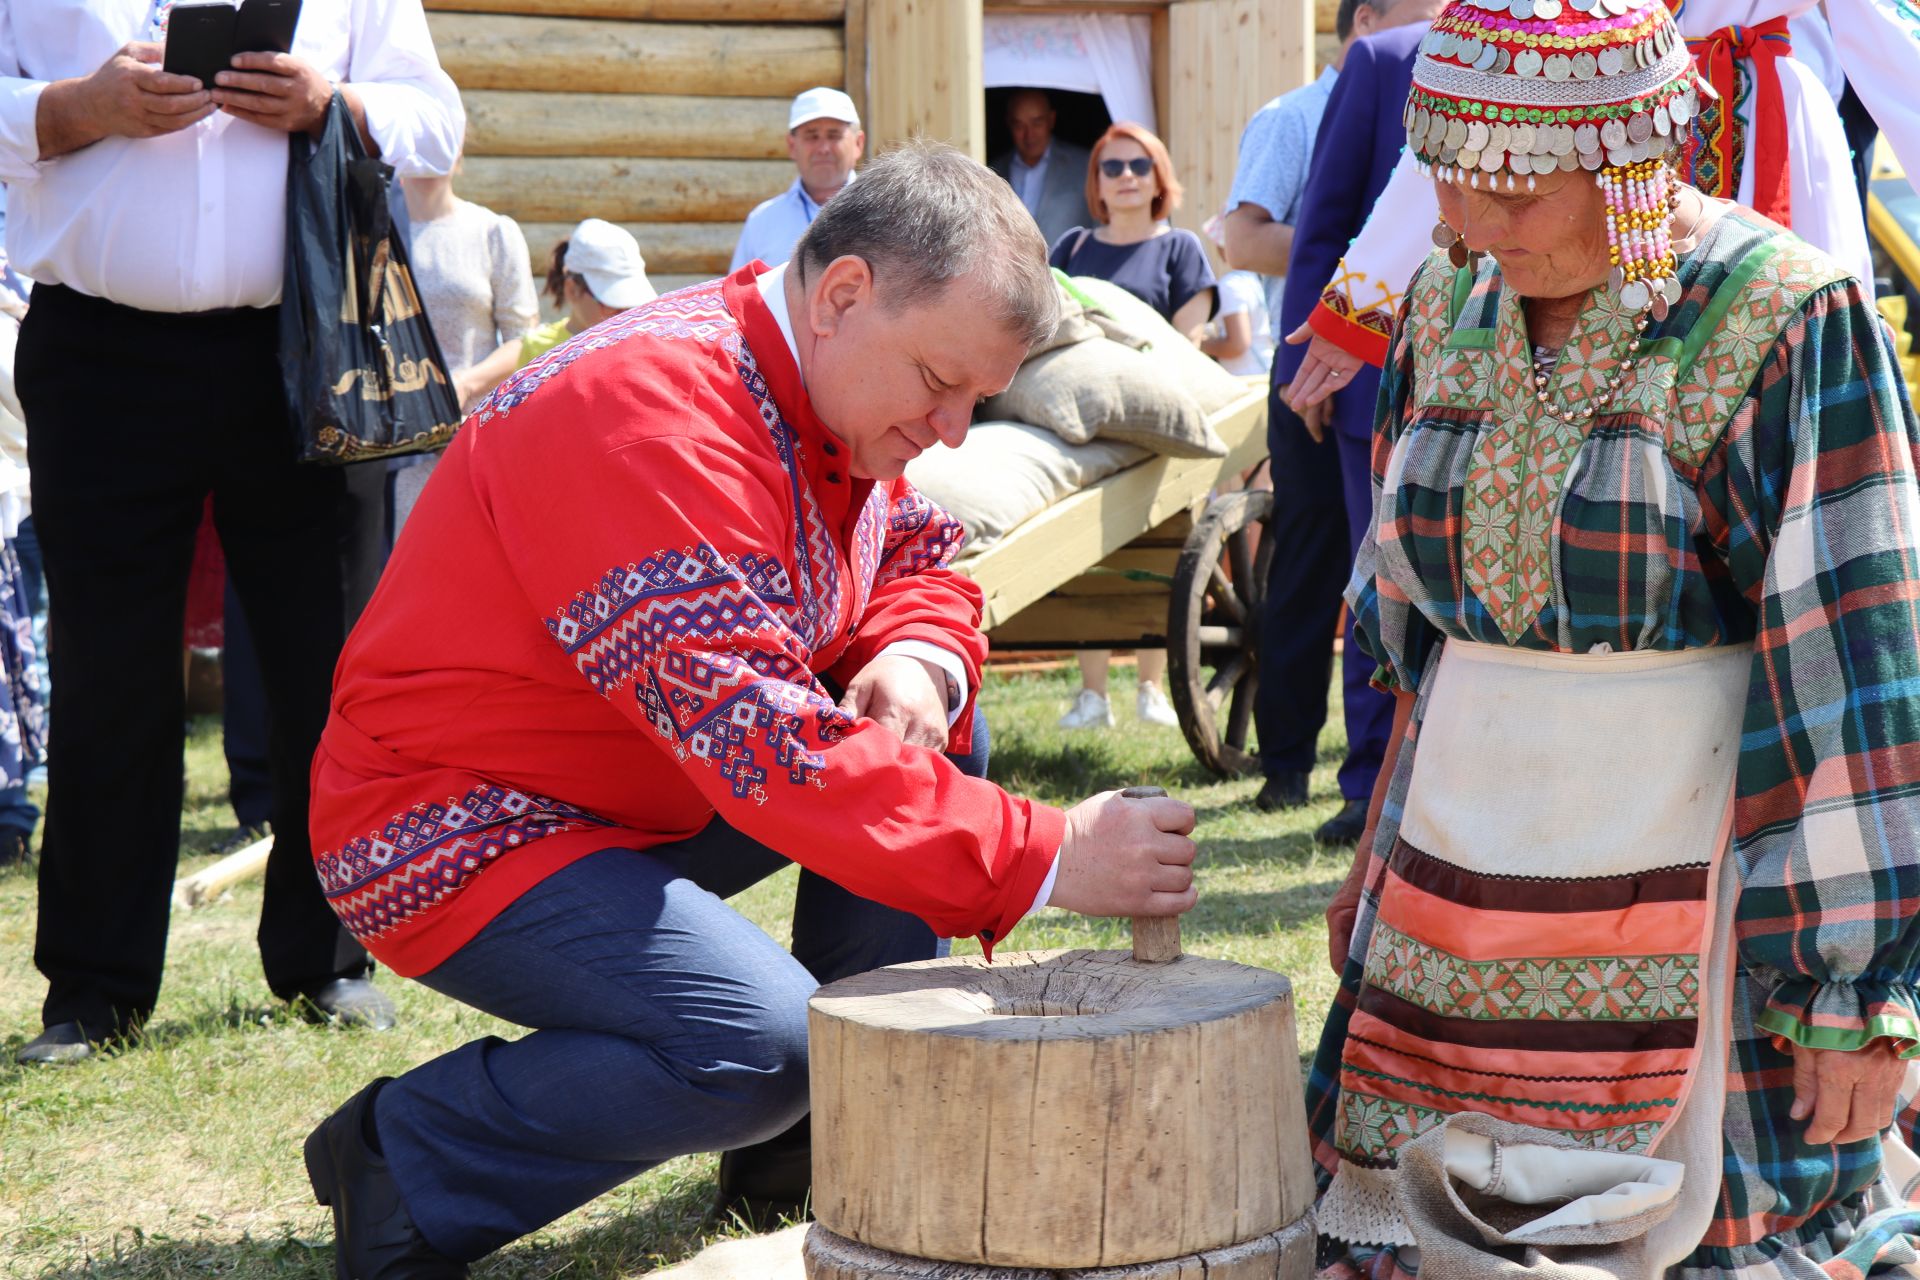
(1546,9)
(1586,138)
(1564,139)
(1611,62)
(1470,49)
(1520,162)
(1569,162)
(1503,63)
(1618,156)
(1491,160)
(1521,9)
(1635,295)
(1477,133)
(1527,62)
(1673,291)
(1681,110)
(1585,66)
(1489,55)
(1469,158)
(1558,68)
(1456,133)
(1662,122)
(1521,137)
(1658,145)
(1639,127)
(1591,160)
(1613,134)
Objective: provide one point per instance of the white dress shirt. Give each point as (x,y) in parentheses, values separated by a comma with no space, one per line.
(195,220)
(772,286)
(1030,181)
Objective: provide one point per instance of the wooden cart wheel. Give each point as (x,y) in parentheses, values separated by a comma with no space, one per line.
(1213,658)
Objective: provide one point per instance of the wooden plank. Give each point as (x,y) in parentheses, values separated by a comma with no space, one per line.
(924,73)
(856,74)
(1059,543)
(1183,125)
(580,55)
(512,122)
(566,189)
(1326,16)
(677,248)
(1100,622)
(657,10)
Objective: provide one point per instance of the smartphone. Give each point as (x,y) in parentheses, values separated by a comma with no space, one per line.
(199,41)
(266,26)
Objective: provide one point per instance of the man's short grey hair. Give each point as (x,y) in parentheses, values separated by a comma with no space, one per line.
(925,215)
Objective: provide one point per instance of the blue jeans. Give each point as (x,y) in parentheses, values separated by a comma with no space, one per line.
(664,1023)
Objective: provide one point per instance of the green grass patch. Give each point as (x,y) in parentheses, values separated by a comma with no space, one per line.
(179,1157)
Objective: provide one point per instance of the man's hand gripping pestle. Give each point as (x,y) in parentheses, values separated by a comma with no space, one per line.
(1156,939)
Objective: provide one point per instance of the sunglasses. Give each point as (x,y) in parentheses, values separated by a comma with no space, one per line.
(1140,165)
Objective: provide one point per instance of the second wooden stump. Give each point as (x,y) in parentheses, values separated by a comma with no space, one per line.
(1057,1110)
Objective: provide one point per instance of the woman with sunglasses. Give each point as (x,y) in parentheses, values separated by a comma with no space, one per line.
(1130,190)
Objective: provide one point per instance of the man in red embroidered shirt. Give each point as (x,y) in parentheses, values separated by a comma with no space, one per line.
(592,693)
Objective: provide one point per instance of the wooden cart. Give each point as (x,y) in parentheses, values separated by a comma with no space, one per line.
(1149,557)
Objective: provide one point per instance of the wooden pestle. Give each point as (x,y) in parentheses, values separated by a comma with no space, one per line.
(1156,939)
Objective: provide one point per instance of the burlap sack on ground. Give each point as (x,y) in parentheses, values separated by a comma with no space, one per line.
(770,1257)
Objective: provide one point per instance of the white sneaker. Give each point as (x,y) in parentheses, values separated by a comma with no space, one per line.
(1090,710)
(1152,705)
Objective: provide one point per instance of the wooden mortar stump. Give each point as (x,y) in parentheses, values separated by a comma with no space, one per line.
(1281,1255)
(1056,1110)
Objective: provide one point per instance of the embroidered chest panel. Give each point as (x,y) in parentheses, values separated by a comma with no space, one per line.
(1473,363)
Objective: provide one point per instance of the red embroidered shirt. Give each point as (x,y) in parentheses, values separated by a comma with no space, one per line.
(604,625)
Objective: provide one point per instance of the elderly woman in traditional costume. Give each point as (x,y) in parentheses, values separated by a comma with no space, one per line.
(1644,574)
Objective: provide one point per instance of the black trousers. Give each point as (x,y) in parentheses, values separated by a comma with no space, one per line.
(137,417)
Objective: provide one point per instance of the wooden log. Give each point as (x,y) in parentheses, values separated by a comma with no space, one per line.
(208,883)
(1284,1255)
(1326,16)
(673,248)
(566,189)
(659,10)
(1089,1111)
(508,122)
(580,55)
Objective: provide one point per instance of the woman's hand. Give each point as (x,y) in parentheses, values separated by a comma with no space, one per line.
(1344,910)
(1849,1095)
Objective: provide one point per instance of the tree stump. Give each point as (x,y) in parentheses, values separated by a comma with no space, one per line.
(1284,1255)
(1057,1110)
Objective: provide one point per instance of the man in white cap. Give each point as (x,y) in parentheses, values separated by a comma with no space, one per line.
(825,140)
(597,273)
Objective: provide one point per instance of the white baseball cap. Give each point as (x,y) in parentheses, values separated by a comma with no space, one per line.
(822,104)
(609,259)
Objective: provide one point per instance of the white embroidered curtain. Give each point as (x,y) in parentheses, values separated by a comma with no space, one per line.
(1106,53)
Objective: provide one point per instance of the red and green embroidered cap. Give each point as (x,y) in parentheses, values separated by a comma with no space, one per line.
(1525,87)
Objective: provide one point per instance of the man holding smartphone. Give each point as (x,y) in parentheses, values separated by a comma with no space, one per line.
(150,209)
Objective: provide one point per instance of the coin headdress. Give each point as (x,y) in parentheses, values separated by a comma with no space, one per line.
(1504,90)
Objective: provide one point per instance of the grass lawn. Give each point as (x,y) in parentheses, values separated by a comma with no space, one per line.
(180,1157)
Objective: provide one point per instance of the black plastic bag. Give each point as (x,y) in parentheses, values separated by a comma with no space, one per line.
(364,375)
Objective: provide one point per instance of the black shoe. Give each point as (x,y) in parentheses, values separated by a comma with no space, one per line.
(351,1002)
(244,835)
(1282,791)
(1345,826)
(15,846)
(768,1182)
(373,1238)
(62,1044)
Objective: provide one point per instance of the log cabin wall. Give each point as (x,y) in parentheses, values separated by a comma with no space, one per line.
(666,116)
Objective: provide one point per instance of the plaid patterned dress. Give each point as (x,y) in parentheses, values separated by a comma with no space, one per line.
(1753,481)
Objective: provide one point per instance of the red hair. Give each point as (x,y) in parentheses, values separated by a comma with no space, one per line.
(1167,190)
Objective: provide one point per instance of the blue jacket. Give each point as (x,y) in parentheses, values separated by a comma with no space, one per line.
(1360,141)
